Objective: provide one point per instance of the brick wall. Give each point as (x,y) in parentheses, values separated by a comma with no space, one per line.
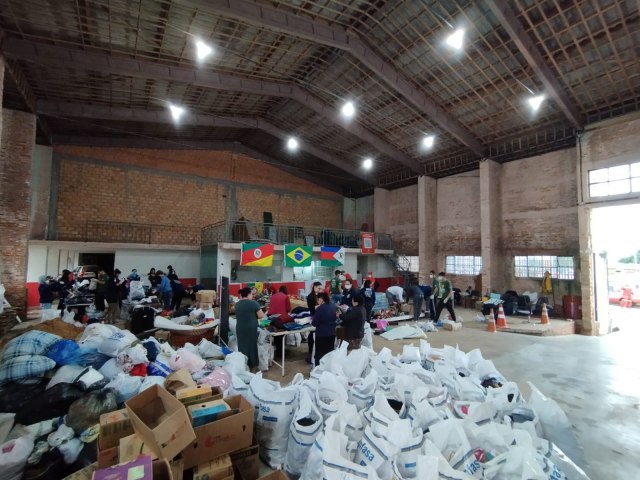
(16,146)
(459,214)
(403,219)
(184,190)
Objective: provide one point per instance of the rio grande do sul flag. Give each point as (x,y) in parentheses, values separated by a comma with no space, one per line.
(332,256)
(256,255)
(297,256)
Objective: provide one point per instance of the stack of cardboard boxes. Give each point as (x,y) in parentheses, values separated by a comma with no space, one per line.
(205,299)
(164,432)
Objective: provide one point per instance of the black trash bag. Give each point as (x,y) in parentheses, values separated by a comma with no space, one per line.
(54,402)
(14,396)
(85,412)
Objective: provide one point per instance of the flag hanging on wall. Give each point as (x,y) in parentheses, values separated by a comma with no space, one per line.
(332,256)
(297,256)
(257,255)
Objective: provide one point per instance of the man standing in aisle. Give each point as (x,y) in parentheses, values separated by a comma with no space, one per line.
(417,296)
(444,297)
(335,287)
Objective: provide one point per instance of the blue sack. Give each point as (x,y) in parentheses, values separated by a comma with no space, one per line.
(63,352)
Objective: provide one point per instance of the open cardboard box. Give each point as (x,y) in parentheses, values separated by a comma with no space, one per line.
(161,421)
(222,436)
(246,462)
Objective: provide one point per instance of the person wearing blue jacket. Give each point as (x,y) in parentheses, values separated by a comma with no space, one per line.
(165,290)
(324,320)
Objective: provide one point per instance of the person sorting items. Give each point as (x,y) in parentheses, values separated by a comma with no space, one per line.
(444,297)
(395,297)
(248,315)
(325,322)
(353,322)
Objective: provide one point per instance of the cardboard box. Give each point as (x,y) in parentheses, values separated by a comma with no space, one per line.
(204,306)
(161,470)
(140,469)
(277,475)
(177,468)
(132,447)
(216,394)
(217,469)
(246,462)
(222,436)
(207,412)
(107,457)
(178,380)
(162,421)
(206,296)
(84,474)
(113,427)
(452,326)
(193,394)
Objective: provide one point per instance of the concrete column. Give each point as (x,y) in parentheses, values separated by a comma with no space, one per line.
(588,324)
(17,141)
(381,210)
(1,93)
(493,266)
(427,226)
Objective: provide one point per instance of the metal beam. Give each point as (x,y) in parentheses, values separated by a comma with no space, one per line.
(127,114)
(509,21)
(61,57)
(295,25)
(237,147)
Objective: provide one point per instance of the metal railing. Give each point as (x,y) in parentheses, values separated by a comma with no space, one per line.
(244,231)
(121,232)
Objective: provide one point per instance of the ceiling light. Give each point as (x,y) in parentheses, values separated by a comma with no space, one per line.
(455,39)
(202,50)
(348,109)
(292,144)
(536,102)
(367,164)
(176,112)
(428,141)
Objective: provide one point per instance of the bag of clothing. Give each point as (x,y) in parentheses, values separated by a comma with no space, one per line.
(305,427)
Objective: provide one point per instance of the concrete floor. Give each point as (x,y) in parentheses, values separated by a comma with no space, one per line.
(596,380)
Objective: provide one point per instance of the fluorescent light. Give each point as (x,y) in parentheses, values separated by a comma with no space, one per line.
(292,144)
(348,109)
(455,39)
(176,112)
(536,102)
(367,164)
(202,50)
(428,141)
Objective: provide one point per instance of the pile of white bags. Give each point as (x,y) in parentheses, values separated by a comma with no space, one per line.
(425,414)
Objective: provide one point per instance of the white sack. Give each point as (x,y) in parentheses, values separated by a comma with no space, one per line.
(305,427)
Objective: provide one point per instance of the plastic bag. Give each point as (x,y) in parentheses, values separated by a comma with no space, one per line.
(125,387)
(367,339)
(63,352)
(293,339)
(158,368)
(235,363)
(49,314)
(218,378)
(55,402)
(85,412)
(90,357)
(336,461)
(449,437)
(331,394)
(313,468)
(421,413)
(305,427)
(70,450)
(151,380)
(117,342)
(66,374)
(136,290)
(409,443)
(183,358)
(13,457)
(275,413)
(517,463)
(363,390)
(208,349)
(69,317)
(240,386)
(110,369)
(6,424)
(376,452)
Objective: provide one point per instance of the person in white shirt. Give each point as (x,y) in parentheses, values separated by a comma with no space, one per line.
(395,297)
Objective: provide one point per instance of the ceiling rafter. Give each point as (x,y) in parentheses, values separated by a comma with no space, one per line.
(509,21)
(63,57)
(337,37)
(56,109)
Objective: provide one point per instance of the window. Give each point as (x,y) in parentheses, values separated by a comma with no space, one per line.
(534,266)
(617,180)
(409,264)
(462,265)
(315,271)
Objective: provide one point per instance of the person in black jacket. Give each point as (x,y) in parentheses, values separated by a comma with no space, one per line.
(353,322)
(65,285)
(369,297)
(416,294)
(45,290)
(312,302)
(112,295)
(324,320)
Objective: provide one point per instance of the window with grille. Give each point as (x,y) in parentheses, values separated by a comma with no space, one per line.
(617,180)
(315,271)
(409,264)
(534,266)
(462,265)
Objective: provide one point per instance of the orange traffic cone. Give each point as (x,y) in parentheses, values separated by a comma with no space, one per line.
(502,320)
(491,325)
(544,316)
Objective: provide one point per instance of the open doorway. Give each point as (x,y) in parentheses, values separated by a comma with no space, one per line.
(105,261)
(616,266)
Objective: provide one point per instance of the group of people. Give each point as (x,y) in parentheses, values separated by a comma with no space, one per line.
(439,295)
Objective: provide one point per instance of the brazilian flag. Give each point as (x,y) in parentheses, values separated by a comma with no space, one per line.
(297,256)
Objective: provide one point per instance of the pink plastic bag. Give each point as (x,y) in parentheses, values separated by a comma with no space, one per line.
(183,358)
(381,324)
(218,378)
